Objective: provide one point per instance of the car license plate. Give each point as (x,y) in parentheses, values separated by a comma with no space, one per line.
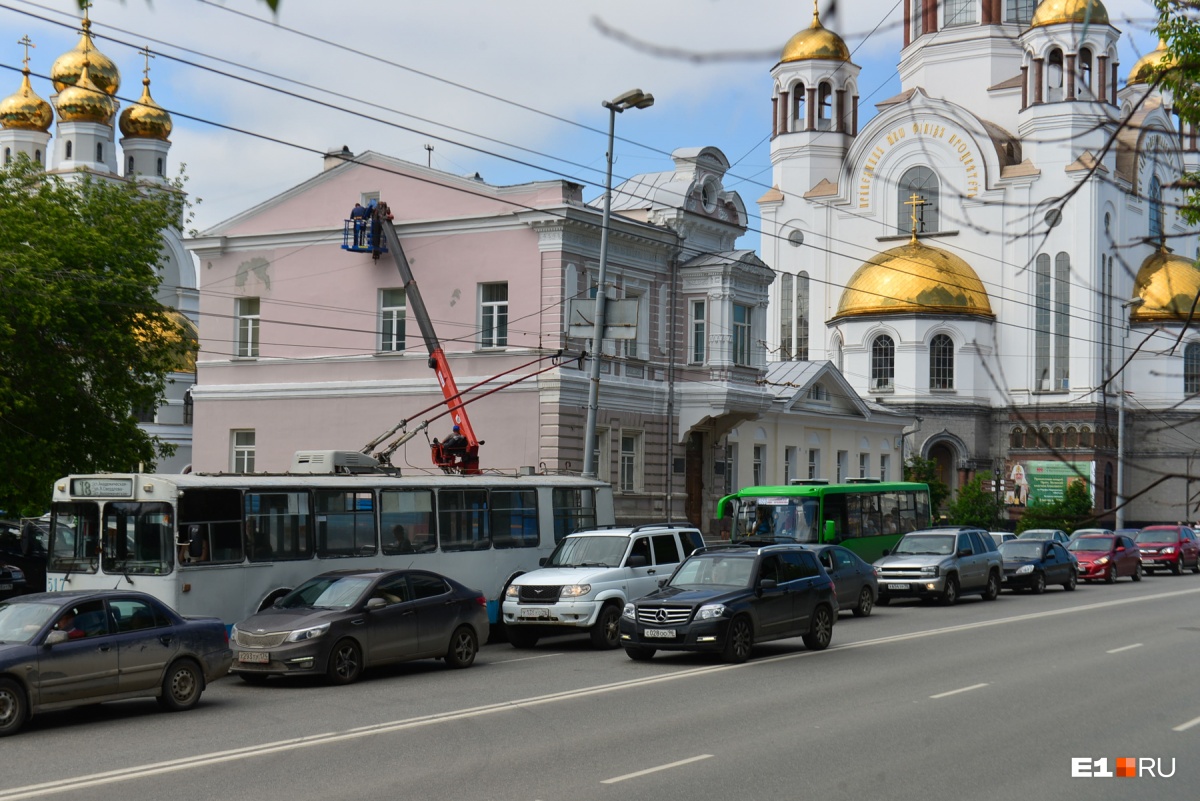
(535,613)
(897,586)
(659,634)
(259,657)
(5,586)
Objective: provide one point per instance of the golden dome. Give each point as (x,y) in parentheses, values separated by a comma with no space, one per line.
(178,331)
(25,110)
(914,279)
(1143,70)
(84,101)
(1056,12)
(69,66)
(815,41)
(1167,285)
(145,118)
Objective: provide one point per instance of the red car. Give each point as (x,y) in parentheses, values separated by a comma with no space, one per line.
(1170,548)
(1106,557)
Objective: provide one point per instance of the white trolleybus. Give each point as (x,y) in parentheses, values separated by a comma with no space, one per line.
(229,545)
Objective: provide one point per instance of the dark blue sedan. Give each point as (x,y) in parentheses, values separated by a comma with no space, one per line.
(64,649)
(856,580)
(1032,564)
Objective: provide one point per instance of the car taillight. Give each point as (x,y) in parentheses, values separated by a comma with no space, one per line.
(479,599)
(833,586)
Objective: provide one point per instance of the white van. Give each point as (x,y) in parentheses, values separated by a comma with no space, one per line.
(586,581)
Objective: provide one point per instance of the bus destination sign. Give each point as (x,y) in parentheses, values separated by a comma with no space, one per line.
(102,487)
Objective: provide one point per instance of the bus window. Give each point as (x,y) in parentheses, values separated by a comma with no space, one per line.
(412,512)
(345,523)
(277,526)
(138,538)
(75,537)
(574,510)
(514,518)
(462,520)
(218,513)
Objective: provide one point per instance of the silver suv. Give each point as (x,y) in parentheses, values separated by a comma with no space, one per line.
(941,564)
(585,583)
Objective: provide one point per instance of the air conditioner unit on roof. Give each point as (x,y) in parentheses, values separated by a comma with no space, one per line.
(331,462)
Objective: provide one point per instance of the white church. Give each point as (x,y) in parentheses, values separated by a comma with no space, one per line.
(988,251)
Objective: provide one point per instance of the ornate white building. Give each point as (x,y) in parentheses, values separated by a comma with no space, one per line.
(980,252)
(84,110)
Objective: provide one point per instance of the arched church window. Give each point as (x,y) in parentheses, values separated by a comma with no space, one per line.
(802,317)
(798,120)
(923,182)
(1085,437)
(1054,75)
(1084,65)
(1072,437)
(1059,437)
(1154,195)
(160,166)
(1016,438)
(1191,368)
(838,354)
(1062,321)
(941,362)
(785,317)
(1031,437)
(37,156)
(129,169)
(99,151)
(883,363)
(958,12)
(1044,437)
(824,106)
(918,17)
(7,155)
(68,148)
(1020,11)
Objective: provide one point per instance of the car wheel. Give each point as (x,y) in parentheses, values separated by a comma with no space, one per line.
(463,647)
(1137,572)
(1111,576)
(606,632)
(345,663)
(1177,567)
(883,600)
(1038,585)
(522,638)
(640,654)
(866,602)
(1196,567)
(1072,580)
(950,592)
(739,640)
(253,678)
(993,587)
(182,684)
(13,707)
(820,631)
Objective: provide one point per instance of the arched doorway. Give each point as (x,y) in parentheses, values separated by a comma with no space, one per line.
(945,456)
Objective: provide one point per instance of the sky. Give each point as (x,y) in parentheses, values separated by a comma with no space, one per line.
(510,90)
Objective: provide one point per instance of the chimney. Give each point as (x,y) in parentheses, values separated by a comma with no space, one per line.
(334,156)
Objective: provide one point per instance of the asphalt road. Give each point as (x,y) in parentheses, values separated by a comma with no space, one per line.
(980,700)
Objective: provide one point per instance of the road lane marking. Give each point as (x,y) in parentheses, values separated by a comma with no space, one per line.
(249,752)
(959,690)
(522,659)
(1124,648)
(1186,726)
(667,766)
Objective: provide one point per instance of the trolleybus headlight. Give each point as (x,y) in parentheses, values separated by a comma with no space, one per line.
(312,633)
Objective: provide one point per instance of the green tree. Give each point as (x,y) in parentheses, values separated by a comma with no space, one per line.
(925,471)
(1072,512)
(1179,72)
(974,506)
(84,344)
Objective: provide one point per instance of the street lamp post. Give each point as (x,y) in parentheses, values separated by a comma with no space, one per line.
(1125,307)
(634,98)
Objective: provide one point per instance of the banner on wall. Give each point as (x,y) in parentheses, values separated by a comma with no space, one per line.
(1043,482)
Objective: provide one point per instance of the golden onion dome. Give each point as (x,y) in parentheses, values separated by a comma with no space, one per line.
(177,331)
(1057,12)
(145,118)
(84,101)
(1168,285)
(69,66)
(815,41)
(914,279)
(25,110)
(1143,70)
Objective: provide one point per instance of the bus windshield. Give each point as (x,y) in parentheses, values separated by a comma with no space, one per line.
(778,518)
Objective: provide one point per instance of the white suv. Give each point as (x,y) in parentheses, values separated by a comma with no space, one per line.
(586,581)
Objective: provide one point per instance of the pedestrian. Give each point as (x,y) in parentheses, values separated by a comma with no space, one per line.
(359,215)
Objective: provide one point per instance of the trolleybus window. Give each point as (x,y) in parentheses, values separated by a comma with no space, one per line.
(574,510)
(463,520)
(514,518)
(406,518)
(345,523)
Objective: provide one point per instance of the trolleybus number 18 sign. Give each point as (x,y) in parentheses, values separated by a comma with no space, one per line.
(102,487)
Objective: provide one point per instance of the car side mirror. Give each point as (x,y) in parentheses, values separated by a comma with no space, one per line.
(662,582)
(542,561)
(55,637)
(887,551)
(636,560)
(965,552)
(375,603)
(768,584)
(1120,548)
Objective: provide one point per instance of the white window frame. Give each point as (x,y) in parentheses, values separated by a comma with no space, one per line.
(814,463)
(864,465)
(242,446)
(248,327)
(843,467)
(789,465)
(758,465)
(491,312)
(698,332)
(885,463)
(630,467)
(395,315)
(742,338)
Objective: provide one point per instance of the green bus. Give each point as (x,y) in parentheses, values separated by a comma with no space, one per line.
(864,515)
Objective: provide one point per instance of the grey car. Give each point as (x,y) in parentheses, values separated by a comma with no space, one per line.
(340,622)
(941,564)
(856,580)
(64,649)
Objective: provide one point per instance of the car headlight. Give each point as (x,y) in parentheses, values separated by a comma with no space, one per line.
(929,570)
(233,633)
(630,611)
(710,611)
(311,633)
(1103,560)
(512,591)
(1169,549)
(575,590)
(1024,569)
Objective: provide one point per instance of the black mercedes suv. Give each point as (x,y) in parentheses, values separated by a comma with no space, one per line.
(724,599)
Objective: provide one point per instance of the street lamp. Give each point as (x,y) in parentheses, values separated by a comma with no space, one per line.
(1129,304)
(634,98)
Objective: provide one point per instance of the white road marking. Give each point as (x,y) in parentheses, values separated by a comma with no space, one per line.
(1124,648)
(1186,726)
(959,690)
(248,752)
(668,766)
(522,659)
